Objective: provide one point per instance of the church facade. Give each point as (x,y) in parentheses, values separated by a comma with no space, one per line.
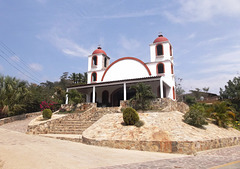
(108,83)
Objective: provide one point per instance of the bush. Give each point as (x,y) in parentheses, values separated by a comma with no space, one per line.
(195,116)
(47,113)
(139,123)
(130,116)
(19,109)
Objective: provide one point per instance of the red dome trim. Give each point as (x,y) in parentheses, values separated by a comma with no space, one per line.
(160,39)
(125,58)
(99,51)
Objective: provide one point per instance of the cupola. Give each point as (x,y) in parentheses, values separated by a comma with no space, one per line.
(160,38)
(99,51)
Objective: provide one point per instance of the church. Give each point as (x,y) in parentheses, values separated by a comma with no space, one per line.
(109,83)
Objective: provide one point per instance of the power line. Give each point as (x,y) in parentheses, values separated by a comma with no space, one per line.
(18,69)
(13,53)
(36,79)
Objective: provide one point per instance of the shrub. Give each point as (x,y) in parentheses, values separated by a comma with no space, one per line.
(195,116)
(139,123)
(19,109)
(47,113)
(222,113)
(130,116)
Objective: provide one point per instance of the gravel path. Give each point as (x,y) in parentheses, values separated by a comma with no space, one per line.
(19,125)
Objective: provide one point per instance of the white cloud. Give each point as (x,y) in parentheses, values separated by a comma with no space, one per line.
(67,46)
(214,82)
(202,10)
(129,44)
(191,36)
(152,12)
(15,58)
(36,66)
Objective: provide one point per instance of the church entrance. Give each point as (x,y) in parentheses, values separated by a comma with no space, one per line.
(118,95)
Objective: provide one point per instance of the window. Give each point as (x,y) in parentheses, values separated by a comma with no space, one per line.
(159,49)
(160,68)
(170,50)
(105,62)
(94,77)
(172,68)
(94,60)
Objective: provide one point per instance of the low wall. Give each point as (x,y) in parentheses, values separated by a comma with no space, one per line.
(18,117)
(180,147)
(163,104)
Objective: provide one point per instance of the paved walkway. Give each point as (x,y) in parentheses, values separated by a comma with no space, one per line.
(18,150)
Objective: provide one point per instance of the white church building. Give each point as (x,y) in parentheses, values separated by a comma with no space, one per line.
(108,83)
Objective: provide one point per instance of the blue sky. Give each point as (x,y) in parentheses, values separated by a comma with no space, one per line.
(44,38)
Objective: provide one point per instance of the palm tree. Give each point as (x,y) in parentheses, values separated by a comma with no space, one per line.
(143,96)
(222,113)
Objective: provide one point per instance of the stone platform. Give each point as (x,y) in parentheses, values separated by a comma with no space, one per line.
(162,132)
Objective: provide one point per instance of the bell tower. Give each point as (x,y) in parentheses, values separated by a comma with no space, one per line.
(98,61)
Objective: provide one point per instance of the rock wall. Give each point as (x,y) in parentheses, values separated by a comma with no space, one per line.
(163,104)
(181,147)
(18,117)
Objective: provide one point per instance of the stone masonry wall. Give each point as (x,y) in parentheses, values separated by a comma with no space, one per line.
(181,147)
(163,104)
(18,117)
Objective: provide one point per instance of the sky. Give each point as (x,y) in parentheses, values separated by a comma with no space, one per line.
(41,39)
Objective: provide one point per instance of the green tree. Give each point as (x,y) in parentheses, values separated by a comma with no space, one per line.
(75,97)
(143,96)
(179,90)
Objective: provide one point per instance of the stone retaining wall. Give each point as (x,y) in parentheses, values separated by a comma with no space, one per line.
(18,117)
(180,147)
(163,104)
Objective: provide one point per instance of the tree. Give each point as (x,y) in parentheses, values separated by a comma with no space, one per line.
(179,90)
(143,96)
(205,89)
(232,90)
(75,97)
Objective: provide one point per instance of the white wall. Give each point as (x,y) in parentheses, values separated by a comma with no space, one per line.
(126,69)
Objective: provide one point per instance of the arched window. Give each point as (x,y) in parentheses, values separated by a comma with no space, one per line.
(159,49)
(170,50)
(160,68)
(174,95)
(94,77)
(94,60)
(105,62)
(172,68)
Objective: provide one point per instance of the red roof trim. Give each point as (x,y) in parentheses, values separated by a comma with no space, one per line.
(125,58)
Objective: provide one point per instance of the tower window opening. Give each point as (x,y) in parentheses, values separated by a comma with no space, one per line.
(170,50)
(94,77)
(105,62)
(94,60)
(159,49)
(172,68)
(160,68)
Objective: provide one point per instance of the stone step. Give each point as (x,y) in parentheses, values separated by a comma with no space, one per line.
(69,137)
(66,132)
(68,128)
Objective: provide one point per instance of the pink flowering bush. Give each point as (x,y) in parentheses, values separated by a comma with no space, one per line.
(45,105)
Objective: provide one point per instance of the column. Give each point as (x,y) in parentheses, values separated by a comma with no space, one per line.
(93,97)
(161,88)
(66,102)
(124,91)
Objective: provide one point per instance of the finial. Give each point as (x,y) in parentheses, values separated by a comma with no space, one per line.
(160,34)
(99,46)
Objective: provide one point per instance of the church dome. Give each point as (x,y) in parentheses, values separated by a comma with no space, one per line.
(160,38)
(99,51)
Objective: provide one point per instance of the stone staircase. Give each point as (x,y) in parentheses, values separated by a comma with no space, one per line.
(72,126)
